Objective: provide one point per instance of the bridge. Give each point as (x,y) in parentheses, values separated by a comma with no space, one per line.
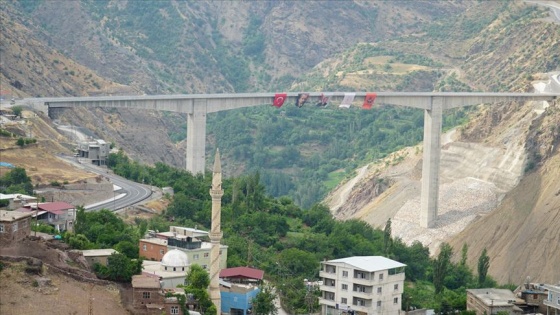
(197,106)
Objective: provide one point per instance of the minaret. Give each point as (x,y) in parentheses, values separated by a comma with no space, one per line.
(216,192)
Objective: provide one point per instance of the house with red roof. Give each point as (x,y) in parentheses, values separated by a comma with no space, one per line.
(238,287)
(61,215)
(242,275)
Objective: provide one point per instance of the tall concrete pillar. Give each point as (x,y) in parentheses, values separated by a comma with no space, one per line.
(196,138)
(430,163)
(216,192)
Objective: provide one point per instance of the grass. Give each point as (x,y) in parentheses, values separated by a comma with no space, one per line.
(335,177)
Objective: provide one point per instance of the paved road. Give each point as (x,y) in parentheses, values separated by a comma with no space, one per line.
(554,7)
(127,192)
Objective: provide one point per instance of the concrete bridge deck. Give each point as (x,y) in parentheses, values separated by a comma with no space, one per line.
(197,106)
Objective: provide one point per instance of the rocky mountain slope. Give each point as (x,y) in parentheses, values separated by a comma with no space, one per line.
(50,47)
(508,176)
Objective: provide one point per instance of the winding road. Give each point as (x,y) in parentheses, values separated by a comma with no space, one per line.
(126,193)
(554,7)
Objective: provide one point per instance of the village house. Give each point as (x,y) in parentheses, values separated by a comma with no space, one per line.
(16,201)
(61,215)
(149,298)
(14,226)
(492,301)
(98,256)
(238,287)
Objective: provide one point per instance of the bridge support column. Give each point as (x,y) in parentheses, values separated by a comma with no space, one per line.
(430,163)
(196,138)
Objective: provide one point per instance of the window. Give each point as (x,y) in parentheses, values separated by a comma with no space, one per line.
(396,287)
(206,255)
(174,309)
(343,301)
(379,290)
(378,304)
(161,252)
(195,256)
(344,287)
(345,274)
(380,277)
(396,300)
(360,302)
(144,247)
(204,267)
(1,228)
(329,296)
(146,295)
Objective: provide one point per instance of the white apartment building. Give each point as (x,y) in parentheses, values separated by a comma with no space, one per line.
(363,285)
(552,302)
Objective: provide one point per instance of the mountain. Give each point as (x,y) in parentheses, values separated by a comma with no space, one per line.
(160,47)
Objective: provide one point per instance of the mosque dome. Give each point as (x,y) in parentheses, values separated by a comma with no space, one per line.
(175,260)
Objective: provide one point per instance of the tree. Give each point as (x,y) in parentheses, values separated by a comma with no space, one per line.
(263,303)
(16,181)
(440,266)
(17,110)
(121,268)
(483,265)
(464,252)
(196,283)
(387,238)
(79,241)
(20,142)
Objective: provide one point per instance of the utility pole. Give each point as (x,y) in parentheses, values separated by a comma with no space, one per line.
(90,302)
(36,214)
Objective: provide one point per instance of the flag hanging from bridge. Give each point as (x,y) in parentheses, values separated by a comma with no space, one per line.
(302,99)
(323,100)
(347,100)
(279,99)
(368,101)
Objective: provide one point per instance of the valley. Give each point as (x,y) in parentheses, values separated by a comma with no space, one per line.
(320,183)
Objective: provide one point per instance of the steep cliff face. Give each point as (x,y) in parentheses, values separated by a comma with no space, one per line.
(521,234)
(499,190)
(499,185)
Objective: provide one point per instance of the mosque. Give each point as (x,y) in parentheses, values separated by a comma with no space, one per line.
(172,270)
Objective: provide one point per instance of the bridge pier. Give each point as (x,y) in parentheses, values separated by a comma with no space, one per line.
(197,106)
(430,163)
(196,138)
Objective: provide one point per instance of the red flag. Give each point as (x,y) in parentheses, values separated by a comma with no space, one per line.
(279,99)
(368,101)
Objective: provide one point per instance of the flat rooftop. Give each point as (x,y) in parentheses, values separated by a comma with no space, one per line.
(98,252)
(11,216)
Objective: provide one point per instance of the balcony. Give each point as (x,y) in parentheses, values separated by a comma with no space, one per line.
(552,303)
(365,282)
(324,301)
(326,274)
(362,308)
(328,288)
(363,295)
